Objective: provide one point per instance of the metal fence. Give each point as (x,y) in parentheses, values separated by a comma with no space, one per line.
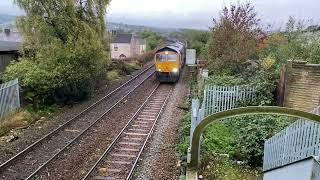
(217,99)
(9,97)
(298,141)
(221,98)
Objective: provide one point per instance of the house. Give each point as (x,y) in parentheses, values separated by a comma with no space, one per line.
(10,43)
(125,45)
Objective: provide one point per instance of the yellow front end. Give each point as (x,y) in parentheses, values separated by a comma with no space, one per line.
(167,71)
(167,67)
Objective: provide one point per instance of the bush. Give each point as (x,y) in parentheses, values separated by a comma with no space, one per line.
(250,133)
(113,75)
(184,134)
(60,73)
(153,39)
(64,53)
(234,39)
(294,44)
(243,137)
(222,168)
(219,139)
(225,80)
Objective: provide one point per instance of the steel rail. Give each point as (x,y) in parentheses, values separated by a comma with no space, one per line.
(149,135)
(28,149)
(85,130)
(120,133)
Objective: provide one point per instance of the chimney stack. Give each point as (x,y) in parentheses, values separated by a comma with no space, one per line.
(7,31)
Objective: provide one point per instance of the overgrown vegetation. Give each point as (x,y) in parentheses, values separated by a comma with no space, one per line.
(64,50)
(22,118)
(296,43)
(222,168)
(153,39)
(233,39)
(196,39)
(240,53)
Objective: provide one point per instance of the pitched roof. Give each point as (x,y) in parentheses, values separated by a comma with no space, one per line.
(122,38)
(6,46)
(12,37)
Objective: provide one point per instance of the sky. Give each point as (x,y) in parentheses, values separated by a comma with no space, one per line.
(195,13)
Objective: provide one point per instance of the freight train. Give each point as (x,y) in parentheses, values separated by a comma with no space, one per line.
(169,61)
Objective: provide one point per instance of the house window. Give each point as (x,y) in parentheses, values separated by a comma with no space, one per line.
(115,47)
(122,56)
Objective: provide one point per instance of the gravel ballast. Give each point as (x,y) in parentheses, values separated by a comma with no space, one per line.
(25,137)
(81,156)
(159,160)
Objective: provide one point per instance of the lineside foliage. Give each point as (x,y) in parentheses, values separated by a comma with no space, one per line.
(240,53)
(64,52)
(233,39)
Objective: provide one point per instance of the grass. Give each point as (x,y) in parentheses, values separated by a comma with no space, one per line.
(19,119)
(25,117)
(222,168)
(219,139)
(113,75)
(119,69)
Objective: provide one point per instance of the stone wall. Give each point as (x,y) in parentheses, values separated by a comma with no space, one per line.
(302,85)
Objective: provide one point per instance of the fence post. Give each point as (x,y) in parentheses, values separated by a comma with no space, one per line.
(195,116)
(18,93)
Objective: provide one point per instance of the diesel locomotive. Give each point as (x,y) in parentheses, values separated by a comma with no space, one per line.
(169,61)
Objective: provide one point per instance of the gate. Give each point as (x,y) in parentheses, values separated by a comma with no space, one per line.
(9,98)
(217,99)
(298,141)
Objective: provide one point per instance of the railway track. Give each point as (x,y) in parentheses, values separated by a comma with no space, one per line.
(120,158)
(35,157)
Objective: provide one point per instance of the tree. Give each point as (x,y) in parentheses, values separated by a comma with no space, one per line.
(196,39)
(234,38)
(153,39)
(64,50)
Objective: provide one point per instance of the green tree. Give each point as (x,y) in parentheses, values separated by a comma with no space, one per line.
(153,39)
(196,39)
(64,50)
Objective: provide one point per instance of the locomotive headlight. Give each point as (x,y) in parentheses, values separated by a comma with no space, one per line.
(159,70)
(175,70)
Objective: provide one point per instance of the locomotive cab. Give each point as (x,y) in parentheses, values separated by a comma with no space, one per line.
(169,61)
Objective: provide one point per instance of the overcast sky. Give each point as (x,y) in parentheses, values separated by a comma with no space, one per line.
(195,13)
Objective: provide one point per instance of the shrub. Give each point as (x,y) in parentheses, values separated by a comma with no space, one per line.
(250,134)
(59,73)
(64,54)
(225,80)
(113,75)
(219,139)
(222,168)
(184,134)
(234,39)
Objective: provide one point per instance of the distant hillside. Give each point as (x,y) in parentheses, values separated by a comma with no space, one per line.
(137,28)
(7,19)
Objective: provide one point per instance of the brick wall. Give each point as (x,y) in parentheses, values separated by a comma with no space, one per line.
(302,86)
